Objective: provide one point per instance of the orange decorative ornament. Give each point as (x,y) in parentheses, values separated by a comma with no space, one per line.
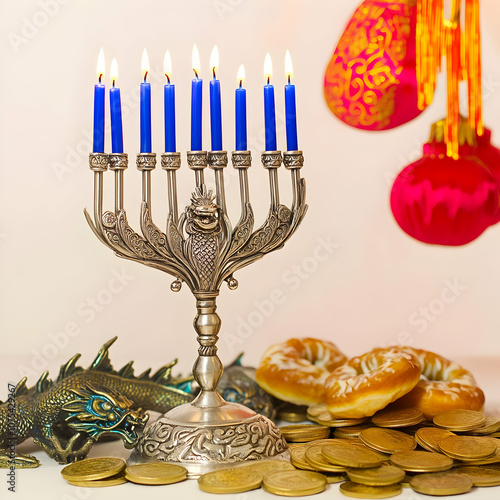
(371,81)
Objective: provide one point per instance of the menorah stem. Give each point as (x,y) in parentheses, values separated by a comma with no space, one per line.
(98,197)
(197,161)
(118,162)
(272,161)
(217,161)
(294,160)
(207,369)
(171,162)
(242,160)
(145,163)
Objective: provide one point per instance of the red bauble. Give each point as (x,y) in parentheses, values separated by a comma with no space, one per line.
(443,201)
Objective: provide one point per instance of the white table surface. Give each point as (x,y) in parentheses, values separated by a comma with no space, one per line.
(47,482)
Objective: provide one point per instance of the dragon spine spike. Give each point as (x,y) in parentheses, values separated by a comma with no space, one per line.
(44,383)
(102,362)
(127,371)
(145,375)
(69,368)
(21,388)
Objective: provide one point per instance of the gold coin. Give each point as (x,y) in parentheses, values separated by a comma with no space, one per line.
(402,417)
(347,454)
(387,440)
(298,458)
(265,467)
(294,483)
(468,447)
(351,431)
(332,478)
(292,413)
(318,442)
(383,475)
(101,483)
(155,473)
(329,421)
(356,490)
(315,458)
(481,476)
(441,483)
(93,468)
(490,426)
(460,420)
(429,437)
(304,432)
(421,461)
(235,480)
(493,460)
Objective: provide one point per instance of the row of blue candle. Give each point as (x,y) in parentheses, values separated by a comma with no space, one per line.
(196,108)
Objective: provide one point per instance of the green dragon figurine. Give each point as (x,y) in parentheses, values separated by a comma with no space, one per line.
(68,416)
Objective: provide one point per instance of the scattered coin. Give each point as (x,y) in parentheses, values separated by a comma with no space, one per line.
(236,480)
(429,437)
(315,458)
(329,421)
(155,473)
(421,461)
(93,468)
(351,431)
(304,432)
(292,413)
(356,490)
(481,476)
(101,483)
(387,440)
(441,483)
(294,483)
(348,455)
(298,458)
(403,417)
(384,475)
(468,447)
(493,460)
(460,420)
(268,466)
(490,426)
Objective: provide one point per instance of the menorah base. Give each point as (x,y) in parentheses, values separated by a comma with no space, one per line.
(207,439)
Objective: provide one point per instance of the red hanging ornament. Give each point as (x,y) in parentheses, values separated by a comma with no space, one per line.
(443,201)
(370,82)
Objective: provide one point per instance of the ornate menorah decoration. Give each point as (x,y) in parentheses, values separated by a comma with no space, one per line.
(200,248)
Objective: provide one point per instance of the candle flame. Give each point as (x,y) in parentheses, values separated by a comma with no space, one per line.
(214,60)
(167,65)
(100,64)
(114,71)
(268,67)
(196,61)
(145,64)
(288,66)
(241,75)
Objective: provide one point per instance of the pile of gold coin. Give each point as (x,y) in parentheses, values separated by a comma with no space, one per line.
(111,471)
(376,458)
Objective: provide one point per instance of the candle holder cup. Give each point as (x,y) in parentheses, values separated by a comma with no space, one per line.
(201,249)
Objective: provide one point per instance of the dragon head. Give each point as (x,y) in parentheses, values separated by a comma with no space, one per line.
(98,410)
(203,214)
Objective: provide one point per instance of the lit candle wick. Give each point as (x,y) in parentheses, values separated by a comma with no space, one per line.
(195,73)
(145,75)
(168,78)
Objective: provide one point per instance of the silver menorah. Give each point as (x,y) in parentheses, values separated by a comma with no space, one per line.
(200,248)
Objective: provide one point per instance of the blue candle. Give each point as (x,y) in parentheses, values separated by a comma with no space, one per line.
(169,103)
(99,99)
(145,107)
(269,107)
(116,112)
(241,112)
(290,109)
(196,103)
(215,104)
